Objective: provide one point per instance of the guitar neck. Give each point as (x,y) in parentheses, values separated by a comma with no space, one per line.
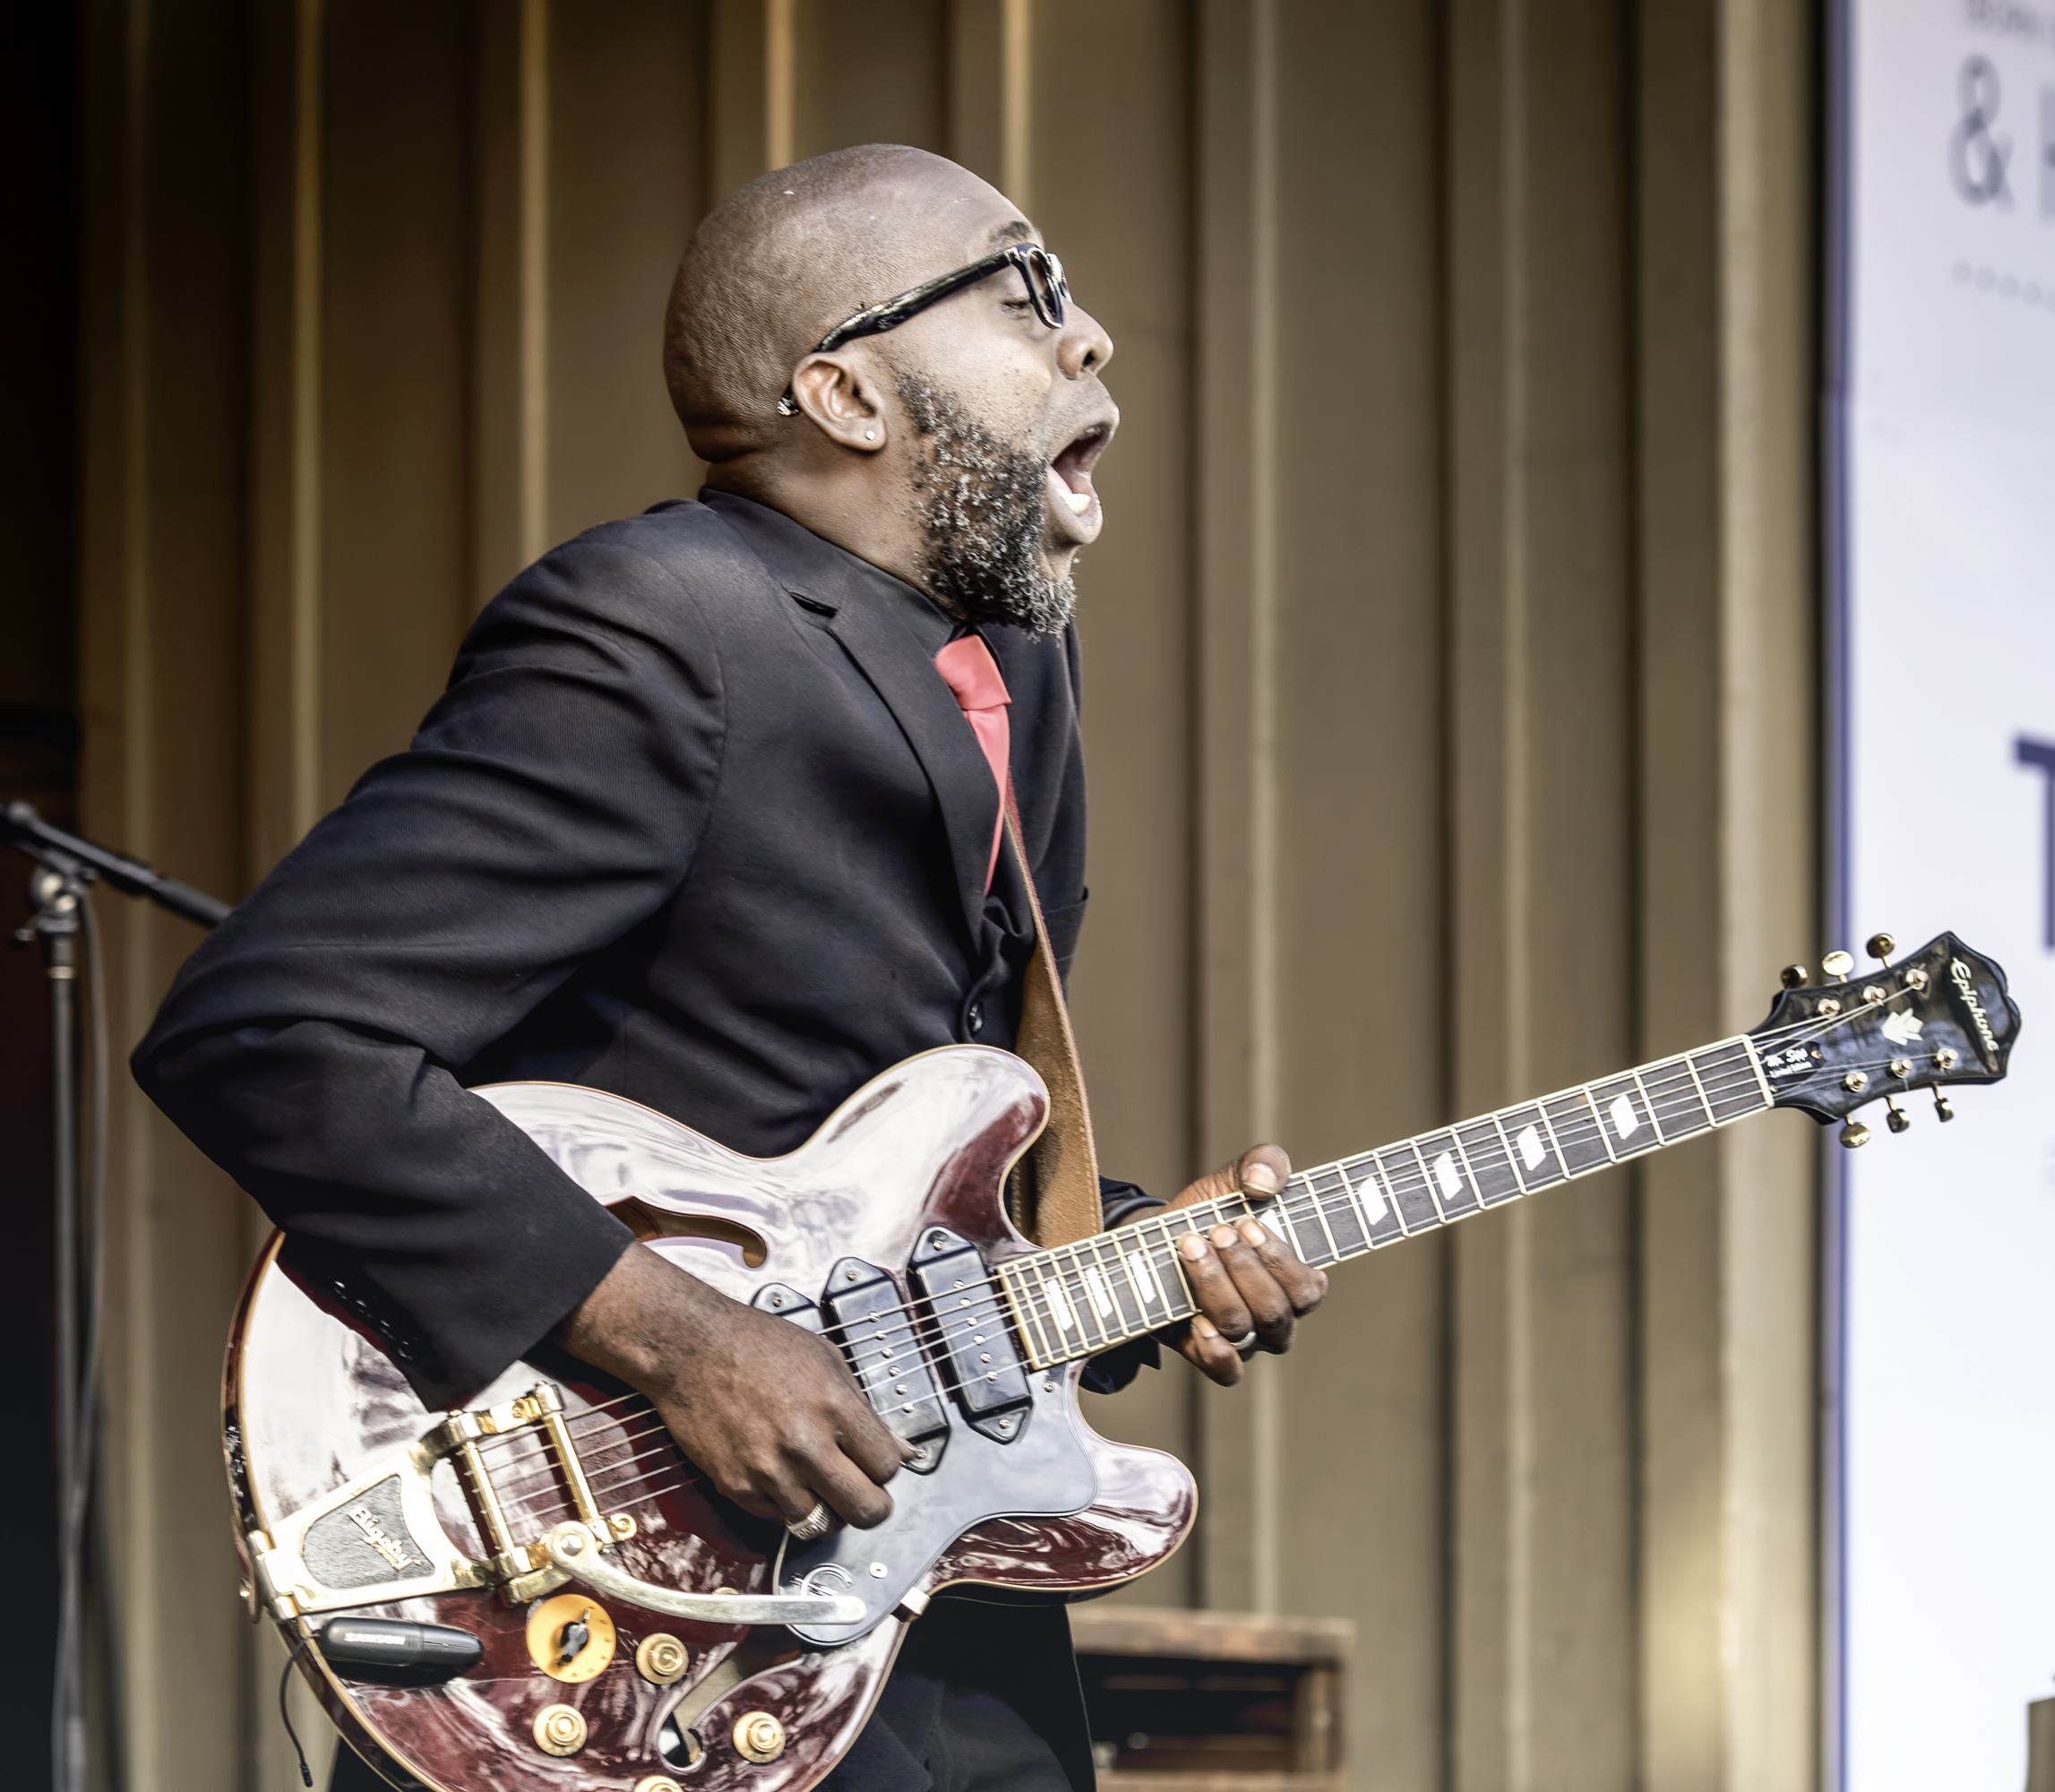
(1076,1300)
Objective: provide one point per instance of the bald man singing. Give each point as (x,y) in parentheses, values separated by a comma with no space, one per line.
(708,817)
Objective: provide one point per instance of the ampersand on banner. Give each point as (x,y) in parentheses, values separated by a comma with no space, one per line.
(1976,154)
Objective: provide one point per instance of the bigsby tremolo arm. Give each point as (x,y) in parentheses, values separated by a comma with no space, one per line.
(377,1538)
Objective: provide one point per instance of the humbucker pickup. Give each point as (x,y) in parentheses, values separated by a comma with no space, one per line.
(881,1336)
(969,1318)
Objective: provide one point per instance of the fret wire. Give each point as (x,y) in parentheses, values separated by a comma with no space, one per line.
(1024,1312)
(1385,1196)
(1476,1187)
(1512,1161)
(1022,1315)
(1161,1221)
(1089,1304)
(1597,1119)
(1554,1144)
(1427,1181)
(1398,1206)
(1310,1204)
(1655,1119)
(1142,1302)
(1358,1213)
(1691,1070)
(1277,1217)
(1043,1320)
(1153,1295)
(1754,1059)
(1483,1201)
(1092,1276)
(1320,1214)
(1678,1070)
(1102,1243)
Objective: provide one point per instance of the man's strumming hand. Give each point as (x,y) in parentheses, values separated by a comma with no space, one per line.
(768,1412)
(1251,1289)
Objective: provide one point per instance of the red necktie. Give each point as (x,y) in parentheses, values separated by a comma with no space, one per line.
(968,669)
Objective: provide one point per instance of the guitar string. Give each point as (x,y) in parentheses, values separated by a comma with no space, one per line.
(614,1478)
(1580,1130)
(1321,1201)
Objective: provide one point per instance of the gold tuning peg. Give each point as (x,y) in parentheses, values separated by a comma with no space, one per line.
(1795,976)
(1836,965)
(1897,1119)
(1854,1133)
(1880,946)
(1943,1105)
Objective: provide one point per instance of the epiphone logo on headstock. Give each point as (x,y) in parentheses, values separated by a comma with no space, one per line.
(1965,982)
(1791,1060)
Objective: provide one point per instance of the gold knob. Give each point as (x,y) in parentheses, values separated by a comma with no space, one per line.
(658,1782)
(1837,964)
(559,1730)
(1881,945)
(662,1661)
(1795,976)
(1855,1133)
(758,1737)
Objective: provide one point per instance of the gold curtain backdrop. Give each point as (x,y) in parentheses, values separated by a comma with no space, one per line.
(1450,705)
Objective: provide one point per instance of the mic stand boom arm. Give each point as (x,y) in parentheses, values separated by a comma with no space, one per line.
(21,826)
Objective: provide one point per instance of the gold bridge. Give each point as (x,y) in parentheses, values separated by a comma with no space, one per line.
(376,1538)
(523,1571)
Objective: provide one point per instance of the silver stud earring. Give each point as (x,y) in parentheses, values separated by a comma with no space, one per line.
(870,435)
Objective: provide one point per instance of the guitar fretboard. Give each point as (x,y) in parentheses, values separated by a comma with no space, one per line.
(1076,1300)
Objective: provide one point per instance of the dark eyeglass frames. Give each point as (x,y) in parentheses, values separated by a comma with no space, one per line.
(1047,291)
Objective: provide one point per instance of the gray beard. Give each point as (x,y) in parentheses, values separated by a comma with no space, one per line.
(983,505)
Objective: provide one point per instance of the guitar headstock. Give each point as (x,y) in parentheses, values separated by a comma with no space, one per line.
(1937,1016)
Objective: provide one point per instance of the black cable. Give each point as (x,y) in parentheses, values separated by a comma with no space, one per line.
(286,1718)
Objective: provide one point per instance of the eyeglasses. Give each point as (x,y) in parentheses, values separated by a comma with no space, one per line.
(1047,291)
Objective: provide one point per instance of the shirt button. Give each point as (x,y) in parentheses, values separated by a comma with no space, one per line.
(975,1019)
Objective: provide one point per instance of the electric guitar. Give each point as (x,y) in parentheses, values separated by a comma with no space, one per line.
(539,1592)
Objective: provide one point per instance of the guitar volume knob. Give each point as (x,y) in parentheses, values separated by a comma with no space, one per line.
(758,1737)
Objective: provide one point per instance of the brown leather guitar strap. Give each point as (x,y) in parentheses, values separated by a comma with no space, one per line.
(1054,1189)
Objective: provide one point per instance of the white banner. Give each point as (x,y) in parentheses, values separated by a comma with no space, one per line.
(1948,1522)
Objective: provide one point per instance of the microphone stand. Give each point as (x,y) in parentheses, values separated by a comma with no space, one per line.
(69,866)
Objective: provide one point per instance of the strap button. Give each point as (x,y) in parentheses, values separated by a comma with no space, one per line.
(974,1018)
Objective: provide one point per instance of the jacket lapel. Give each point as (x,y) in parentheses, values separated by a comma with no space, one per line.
(869,621)
(926,711)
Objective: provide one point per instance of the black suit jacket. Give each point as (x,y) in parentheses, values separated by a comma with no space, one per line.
(696,822)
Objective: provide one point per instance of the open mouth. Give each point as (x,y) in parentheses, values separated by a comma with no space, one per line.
(1070,474)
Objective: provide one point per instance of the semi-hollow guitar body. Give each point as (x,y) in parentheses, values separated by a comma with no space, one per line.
(882,1232)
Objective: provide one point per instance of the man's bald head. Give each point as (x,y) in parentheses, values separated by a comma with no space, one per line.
(784,260)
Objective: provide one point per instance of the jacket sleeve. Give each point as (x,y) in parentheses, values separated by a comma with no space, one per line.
(552,799)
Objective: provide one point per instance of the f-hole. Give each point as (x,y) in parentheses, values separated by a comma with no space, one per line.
(656,1222)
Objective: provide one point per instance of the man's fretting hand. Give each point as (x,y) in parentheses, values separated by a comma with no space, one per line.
(1251,1290)
(768,1412)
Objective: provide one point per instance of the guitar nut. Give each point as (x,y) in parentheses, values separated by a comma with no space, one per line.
(758,1737)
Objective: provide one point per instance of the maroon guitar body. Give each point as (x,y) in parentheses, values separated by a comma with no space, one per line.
(313,1405)
(608,1621)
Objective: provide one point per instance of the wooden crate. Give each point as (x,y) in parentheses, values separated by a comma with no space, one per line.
(1239,1702)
